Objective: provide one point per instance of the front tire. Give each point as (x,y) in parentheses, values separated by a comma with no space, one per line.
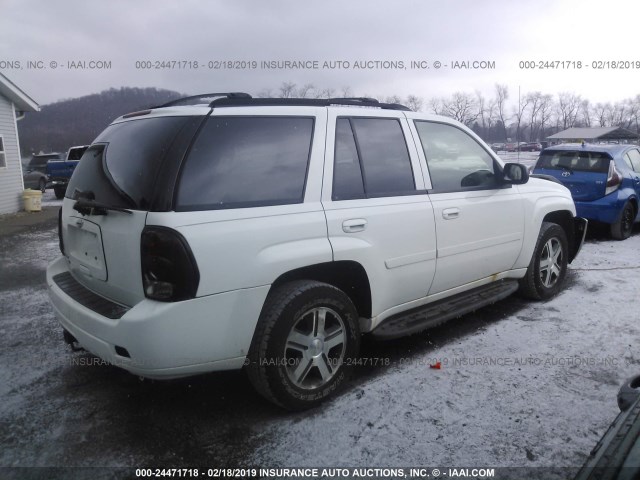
(548,266)
(60,191)
(305,342)
(622,228)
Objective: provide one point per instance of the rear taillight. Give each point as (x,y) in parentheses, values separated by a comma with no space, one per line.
(614,179)
(60,240)
(169,271)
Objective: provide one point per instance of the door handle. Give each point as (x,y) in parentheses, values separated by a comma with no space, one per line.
(354,225)
(450,213)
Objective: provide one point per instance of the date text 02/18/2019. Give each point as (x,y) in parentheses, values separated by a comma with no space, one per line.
(579,65)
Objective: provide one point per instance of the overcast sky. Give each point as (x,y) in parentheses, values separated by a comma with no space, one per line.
(505,32)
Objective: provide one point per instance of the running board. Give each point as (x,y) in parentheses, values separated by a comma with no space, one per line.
(436,313)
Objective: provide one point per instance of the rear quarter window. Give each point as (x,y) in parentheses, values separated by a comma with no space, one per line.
(241,162)
(76,153)
(122,165)
(580,161)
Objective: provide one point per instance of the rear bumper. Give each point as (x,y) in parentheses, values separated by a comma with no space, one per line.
(165,340)
(606,209)
(53,181)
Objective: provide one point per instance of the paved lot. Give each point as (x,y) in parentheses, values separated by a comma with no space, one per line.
(521,384)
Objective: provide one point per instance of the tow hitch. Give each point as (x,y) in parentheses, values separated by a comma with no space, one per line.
(71,340)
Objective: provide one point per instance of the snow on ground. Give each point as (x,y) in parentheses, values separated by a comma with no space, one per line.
(24,307)
(534,388)
(49,199)
(521,384)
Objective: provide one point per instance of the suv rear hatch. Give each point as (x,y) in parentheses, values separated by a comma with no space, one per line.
(584,173)
(128,171)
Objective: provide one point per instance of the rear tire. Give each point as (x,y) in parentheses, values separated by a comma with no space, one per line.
(304,345)
(60,191)
(622,228)
(548,266)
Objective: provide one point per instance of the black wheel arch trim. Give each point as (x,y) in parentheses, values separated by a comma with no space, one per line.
(579,233)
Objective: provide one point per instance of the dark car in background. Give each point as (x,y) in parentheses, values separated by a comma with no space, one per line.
(59,170)
(530,147)
(34,173)
(511,147)
(604,181)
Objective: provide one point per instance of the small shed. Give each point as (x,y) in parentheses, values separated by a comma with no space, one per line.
(13,105)
(594,134)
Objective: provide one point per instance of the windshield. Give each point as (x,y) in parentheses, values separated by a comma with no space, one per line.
(579,160)
(122,165)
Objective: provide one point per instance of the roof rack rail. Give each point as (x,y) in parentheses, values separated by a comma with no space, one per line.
(309,102)
(338,100)
(202,96)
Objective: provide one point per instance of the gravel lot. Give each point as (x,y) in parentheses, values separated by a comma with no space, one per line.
(521,384)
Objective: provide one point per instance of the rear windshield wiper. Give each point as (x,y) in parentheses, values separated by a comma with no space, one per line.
(91,207)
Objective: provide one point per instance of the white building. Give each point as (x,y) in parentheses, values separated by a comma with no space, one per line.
(13,105)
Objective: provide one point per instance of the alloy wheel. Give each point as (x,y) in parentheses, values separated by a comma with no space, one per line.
(315,348)
(551,262)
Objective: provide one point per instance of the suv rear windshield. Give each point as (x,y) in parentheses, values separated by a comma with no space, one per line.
(578,160)
(122,165)
(241,162)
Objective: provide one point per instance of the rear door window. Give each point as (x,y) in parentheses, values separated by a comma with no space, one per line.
(347,173)
(371,159)
(241,162)
(578,161)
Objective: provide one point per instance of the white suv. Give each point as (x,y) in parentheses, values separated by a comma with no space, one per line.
(270,234)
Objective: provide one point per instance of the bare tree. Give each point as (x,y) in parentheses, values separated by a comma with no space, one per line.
(306,91)
(615,114)
(568,107)
(585,113)
(545,113)
(502,95)
(346,92)
(535,100)
(599,113)
(325,93)
(483,114)
(461,107)
(636,112)
(414,103)
(393,99)
(631,113)
(609,114)
(436,106)
(518,113)
(287,89)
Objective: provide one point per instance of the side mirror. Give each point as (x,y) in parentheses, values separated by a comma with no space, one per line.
(515,174)
(629,393)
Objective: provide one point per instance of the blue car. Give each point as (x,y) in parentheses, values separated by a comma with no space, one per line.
(604,181)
